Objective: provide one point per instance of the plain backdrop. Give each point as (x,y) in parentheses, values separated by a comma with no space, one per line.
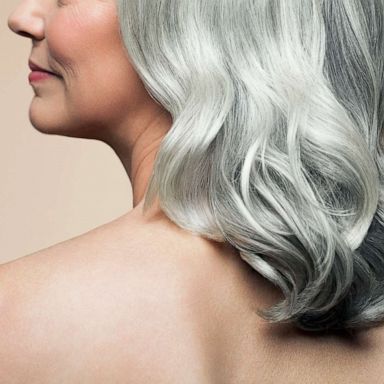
(52,187)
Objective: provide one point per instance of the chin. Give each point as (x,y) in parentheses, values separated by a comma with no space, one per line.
(42,119)
(59,127)
(44,125)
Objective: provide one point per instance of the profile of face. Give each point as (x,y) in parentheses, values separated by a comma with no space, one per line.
(96,88)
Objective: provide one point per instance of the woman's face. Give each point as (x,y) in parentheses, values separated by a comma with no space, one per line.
(80,41)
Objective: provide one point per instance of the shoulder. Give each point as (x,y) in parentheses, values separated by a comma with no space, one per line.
(105,303)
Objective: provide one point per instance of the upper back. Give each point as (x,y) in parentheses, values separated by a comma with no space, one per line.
(140,302)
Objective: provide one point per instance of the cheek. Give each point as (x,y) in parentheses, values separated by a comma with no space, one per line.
(109,91)
(101,84)
(76,33)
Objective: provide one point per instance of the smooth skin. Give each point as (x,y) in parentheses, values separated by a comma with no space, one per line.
(139,300)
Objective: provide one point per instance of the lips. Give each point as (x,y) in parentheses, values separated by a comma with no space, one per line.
(35,67)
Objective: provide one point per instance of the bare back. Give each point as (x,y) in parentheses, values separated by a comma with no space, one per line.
(185,312)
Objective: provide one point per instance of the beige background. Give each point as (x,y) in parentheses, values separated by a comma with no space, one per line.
(52,187)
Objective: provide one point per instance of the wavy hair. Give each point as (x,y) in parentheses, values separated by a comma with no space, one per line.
(276,144)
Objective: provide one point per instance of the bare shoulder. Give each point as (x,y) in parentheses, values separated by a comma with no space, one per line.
(119,300)
(133,302)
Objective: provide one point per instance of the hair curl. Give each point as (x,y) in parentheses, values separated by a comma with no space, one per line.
(276,144)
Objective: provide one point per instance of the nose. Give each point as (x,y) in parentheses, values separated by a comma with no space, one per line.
(27,20)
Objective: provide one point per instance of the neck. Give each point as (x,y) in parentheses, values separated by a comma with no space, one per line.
(136,144)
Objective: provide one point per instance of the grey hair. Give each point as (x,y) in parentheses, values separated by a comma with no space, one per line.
(276,144)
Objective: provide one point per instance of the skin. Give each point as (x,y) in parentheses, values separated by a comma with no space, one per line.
(80,41)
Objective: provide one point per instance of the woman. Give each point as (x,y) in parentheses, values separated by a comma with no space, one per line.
(252,134)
